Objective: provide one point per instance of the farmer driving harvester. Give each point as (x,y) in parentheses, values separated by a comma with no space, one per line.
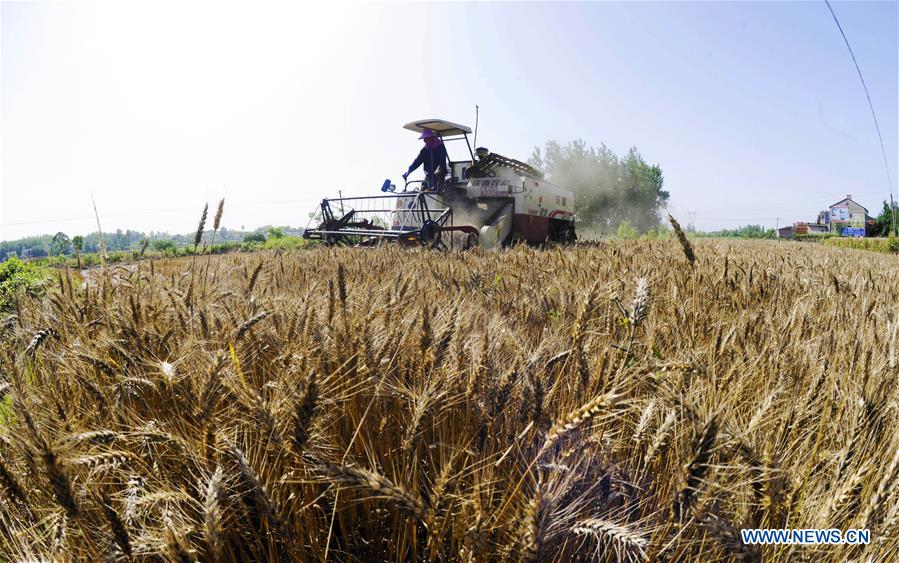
(433,158)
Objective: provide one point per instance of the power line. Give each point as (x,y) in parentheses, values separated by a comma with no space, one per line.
(886,163)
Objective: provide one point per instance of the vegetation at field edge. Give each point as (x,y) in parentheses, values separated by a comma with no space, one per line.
(887,245)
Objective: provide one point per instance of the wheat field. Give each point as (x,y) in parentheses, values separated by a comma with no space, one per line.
(609,402)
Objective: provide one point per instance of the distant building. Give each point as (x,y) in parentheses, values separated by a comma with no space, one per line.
(845,217)
(846,213)
(785,232)
(803,228)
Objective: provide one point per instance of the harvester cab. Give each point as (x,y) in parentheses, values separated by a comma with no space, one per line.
(486,200)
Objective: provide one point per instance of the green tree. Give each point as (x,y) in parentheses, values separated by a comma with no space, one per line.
(17,278)
(59,244)
(608,189)
(254,237)
(883,222)
(275,232)
(117,240)
(165,246)
(78,245)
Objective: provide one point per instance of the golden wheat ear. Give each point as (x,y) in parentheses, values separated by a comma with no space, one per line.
(212,511)
(682,238)
(304,412)
(119,531)
(574,419)
(695,469)
(622,538)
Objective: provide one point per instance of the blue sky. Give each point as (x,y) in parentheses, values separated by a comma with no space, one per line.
(752,109)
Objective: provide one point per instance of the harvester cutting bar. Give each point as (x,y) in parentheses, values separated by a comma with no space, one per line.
(409,217)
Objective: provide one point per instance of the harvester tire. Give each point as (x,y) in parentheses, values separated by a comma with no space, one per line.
(430,233)
(567,236)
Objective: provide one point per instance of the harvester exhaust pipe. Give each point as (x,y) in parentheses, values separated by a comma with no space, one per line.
(496,232)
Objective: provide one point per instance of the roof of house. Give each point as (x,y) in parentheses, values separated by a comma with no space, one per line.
(849,198)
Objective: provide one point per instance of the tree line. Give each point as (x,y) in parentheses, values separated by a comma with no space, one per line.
(61,243)
(746,231)
(609,190)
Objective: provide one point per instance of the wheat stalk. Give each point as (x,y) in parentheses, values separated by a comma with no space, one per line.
(212,513)
(39,338)
(575,419)
(119,532)
(376,484)
(534,525)
(198,236)
(216,223)
(111,459)
(13,487)
(179,549)
(875,506)
(304,413)
(640,304)
(682,238)
(250,323)
(696,468)
(261,500)
(620,536)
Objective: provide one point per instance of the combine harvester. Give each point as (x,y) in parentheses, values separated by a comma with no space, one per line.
(488,201)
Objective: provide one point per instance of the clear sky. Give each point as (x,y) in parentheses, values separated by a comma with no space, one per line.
(753,109)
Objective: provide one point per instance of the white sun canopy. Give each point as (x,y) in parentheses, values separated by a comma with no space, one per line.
(439,126)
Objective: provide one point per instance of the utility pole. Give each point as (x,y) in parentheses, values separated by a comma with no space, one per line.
(893,214)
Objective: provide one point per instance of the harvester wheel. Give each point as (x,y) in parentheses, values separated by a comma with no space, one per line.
(567,236)
(430,234)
